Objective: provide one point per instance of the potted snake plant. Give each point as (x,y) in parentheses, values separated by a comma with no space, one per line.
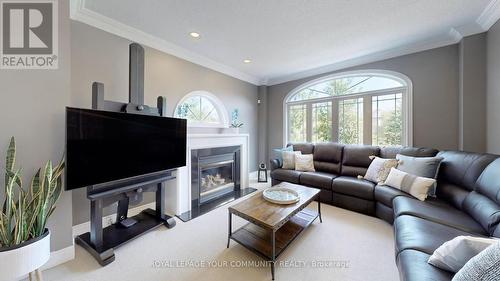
(24,238)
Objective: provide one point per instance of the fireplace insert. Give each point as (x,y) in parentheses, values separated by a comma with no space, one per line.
(215,173)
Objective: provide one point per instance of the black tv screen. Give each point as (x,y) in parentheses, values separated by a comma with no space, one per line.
(103,147)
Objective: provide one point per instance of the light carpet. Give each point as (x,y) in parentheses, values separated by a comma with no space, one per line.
(356,247)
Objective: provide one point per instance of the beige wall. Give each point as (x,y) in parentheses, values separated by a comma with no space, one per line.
(103,57)
(493,89)
(434,74)
(33,103)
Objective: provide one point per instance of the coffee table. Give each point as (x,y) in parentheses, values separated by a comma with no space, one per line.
(272,227)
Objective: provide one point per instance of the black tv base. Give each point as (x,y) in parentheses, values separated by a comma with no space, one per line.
(116,235)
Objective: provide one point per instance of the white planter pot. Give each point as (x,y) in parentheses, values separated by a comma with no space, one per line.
(17,261)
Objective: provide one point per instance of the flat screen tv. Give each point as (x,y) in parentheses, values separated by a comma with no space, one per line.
(104,147)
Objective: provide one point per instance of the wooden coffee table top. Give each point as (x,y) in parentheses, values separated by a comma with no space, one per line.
(270,215)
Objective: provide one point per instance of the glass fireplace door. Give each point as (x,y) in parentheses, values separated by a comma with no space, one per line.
(216,179)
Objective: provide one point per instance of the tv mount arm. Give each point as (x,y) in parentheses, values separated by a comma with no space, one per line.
(101,242)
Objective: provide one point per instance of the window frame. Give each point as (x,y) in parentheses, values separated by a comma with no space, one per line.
(407,103)
(216,102)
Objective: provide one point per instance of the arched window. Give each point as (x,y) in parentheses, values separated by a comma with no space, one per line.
(357,107)
(202,109)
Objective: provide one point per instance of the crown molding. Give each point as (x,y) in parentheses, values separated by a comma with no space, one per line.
(79,12)
(490,15)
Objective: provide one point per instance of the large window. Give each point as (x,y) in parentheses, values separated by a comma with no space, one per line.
(202,109)
(370,107)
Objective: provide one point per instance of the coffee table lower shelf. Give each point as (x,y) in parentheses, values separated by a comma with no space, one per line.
(259,240)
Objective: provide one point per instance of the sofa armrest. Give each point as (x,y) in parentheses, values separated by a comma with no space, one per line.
(275,164)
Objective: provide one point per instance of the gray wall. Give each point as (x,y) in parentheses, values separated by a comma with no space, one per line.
(33,104)
(262,155)
(101,56)
(435,76)
(493,89)
(472,93)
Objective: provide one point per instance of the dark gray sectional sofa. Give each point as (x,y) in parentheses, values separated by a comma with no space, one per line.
(467,198)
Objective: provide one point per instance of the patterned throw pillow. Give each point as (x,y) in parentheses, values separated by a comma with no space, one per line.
(485,266)
(379,169)
(304,163)
(417,187)
(289,159)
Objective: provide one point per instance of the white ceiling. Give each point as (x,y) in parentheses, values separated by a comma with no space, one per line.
(288,39)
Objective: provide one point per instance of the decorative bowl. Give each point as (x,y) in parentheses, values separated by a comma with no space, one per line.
(281,195)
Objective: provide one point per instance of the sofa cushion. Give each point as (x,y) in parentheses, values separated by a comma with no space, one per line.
(353,203)
(483,209)
(354,187)
(488,183)
(317,179)
(413,266)
(437,211)
(453,194)
(286,175)
(392,151)
(328,157)
(385,194)
(356,159)
(305,148)
(459,172)
(422,235)
(463,168)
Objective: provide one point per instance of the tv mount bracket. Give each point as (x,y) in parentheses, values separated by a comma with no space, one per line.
(100,242)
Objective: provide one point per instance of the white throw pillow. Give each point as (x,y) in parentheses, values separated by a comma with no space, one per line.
(304,162)
(379,169)
(417,187)
(454,254)
(289,159)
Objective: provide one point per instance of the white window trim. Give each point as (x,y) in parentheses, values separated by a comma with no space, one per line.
(219,106)
(407,97)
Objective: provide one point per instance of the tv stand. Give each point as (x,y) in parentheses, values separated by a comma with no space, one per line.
(101,242)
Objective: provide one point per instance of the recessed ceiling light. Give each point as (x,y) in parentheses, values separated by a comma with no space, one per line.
(247,60)
(194,34)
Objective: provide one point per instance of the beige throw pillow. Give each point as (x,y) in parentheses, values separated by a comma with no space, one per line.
(379,169)
(417,187)
(304,163)
(289,159)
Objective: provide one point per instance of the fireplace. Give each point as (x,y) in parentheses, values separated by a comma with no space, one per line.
(215,179)
(215,173)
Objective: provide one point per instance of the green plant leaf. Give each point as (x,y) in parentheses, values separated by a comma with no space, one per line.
(11,158)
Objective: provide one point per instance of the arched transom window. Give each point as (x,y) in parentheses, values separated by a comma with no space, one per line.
(361,107)
(202,109)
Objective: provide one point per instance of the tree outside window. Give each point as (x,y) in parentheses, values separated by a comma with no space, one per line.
(354,109)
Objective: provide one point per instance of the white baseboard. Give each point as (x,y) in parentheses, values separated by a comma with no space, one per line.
(110,219)
(59,257)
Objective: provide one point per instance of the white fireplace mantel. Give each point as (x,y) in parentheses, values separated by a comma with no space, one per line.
(178,192)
